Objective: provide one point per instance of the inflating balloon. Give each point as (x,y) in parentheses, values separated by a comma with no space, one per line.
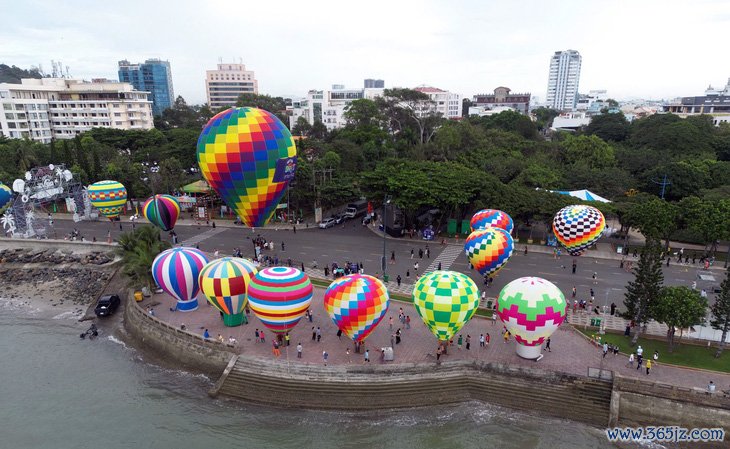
(578,227)
(176,271)
(248,156)
(280,296)
(532,309)
(162,211)
(489,249)
(488,218)
(356,303)
(109,197)
(6,195)
(445,300)
(224,283)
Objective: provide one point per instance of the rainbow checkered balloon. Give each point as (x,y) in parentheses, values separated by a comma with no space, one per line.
(488,218)
(176,271)
(6,195)
(489,249)
(162,211)
(445,300)
(248,156)
(224,283)
(280,296)
(532,309)
(356,303)
(109,197)
(578,227)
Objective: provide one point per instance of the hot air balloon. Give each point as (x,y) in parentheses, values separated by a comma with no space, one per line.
(176,271)
(248,156)
(109,197)
(489,249)
(445,300)
(224,282)
(280,296)
(488,218)
(356,303)
(6,195)
(578,227)
(162,211)
(532,309)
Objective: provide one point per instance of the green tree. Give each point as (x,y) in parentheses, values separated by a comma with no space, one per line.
(721,312)
(679,308)
(275,105)
(138,250)
(643,292)
(588,151)
(301,127)
(708,218)
(544,117)
(408,106)
(654,218)
(609,127)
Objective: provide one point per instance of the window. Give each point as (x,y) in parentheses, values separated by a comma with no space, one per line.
(118,123)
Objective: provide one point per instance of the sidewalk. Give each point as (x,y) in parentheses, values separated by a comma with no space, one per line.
(183,221)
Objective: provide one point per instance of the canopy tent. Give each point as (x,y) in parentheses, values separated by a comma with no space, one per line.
(197,187)
(585,195)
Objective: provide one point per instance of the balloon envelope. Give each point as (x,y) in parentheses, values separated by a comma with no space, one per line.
(224,282)
(489,249)
(280,296)
(109,197)
(578,227)
(487,218)
(356,303)
(176,271)
(248,156)
(532,309)
(6,195)
(162,211)
(445,300)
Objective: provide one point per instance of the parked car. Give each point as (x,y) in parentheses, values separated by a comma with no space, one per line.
(327,223)
(106,305)
(339,218)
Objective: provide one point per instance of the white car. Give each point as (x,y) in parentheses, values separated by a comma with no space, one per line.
(327,223)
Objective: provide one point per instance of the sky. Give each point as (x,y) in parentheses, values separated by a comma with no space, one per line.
(649,49)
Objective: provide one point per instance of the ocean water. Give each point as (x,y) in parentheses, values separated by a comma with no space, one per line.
(57,391)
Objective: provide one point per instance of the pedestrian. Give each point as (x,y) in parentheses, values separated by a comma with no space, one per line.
(438,353)
(506,336)
(326,271)
(573,292)
(631,360)
(525,250)
(605,350)
(575,265)
(459,342)
(398,280)
(415,268)
(275,344)
(428,252)
(302,267)
(408,321)
(392,340)
(656,357)
(257,335)
(615,350)
(206,335)
(481,340)
(367,356)
(408,274)
(347,353)
(547,345)
(468,342)
(411,253)
(392,257)
(325,356)
(390,322)
(420,253)
(294,228)
(319,334)
(261,335)
(339,334)
(439,267)
(397,336)
(575,305)
(314,334)
(595,275)
(311,316)
(648,366)
(299,350)
(287,338)
(487,338)
(638,363)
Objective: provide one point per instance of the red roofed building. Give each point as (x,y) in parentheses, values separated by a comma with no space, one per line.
(446,103)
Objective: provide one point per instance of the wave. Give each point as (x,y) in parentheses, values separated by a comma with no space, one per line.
(71,315)
(114,339)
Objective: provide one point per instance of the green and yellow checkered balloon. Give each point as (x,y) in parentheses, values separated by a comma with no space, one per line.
(445,300)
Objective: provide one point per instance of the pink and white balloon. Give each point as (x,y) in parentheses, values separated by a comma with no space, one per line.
(176,271)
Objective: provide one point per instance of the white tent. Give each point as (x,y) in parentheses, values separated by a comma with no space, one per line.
(585,195)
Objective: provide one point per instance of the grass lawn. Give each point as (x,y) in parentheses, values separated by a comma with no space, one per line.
(684,354)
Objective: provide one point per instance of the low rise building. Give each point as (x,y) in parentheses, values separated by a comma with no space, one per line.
(503,98)
(329,106)
(443,102)
(715,102)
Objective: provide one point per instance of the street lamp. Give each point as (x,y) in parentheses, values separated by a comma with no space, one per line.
(384,261)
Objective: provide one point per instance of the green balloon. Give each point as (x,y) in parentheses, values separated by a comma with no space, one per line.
(445,300)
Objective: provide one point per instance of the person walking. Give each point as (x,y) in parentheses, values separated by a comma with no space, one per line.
(411,253)
(420,253)
(573,292)
(575,266)
(283,248)
(314,334)
(299,350)
(631,360)
(275,344)
(287,338)
(415,268)
(367,356)
(408,321)
(325,356)
(468,342)
(392,257)
(605,349)
(398,280)
(648,366)
(439,266)
(261,336)
(547,345)
(258,340)
(487,338)
(390,322)
(459,342)
(397,336)
(319,334)
(438,353)
(481,340)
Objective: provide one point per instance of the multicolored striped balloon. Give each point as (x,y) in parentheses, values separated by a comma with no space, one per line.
(578,227)
(488,218)
(162,211)
(176,271)
(356,303)
(280,296)
(6,196)
(532,309)
(489,249)
(109,197)
(224,282)
(248,156)
(445,300)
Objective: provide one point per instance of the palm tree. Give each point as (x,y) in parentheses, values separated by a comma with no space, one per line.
(138,250)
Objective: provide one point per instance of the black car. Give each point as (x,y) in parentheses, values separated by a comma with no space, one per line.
(106,305)
(339,218)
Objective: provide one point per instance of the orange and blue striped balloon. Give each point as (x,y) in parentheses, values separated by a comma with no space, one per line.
(224,283)
(280,296)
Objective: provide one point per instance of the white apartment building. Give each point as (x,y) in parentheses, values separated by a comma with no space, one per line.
(562,91)
(224,85)
(446,103)
(46,108)
(329,106)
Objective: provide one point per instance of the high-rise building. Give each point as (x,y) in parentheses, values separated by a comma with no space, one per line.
(153,76)
(61,108)
(224,85)
(562,92)
(374,84)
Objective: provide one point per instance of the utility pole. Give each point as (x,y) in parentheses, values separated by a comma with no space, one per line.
(664,183)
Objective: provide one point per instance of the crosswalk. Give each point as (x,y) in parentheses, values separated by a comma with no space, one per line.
(447,257)
(194,240)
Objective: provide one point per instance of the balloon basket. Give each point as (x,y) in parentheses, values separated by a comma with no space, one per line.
(529,352)
(233,320)
(187,306)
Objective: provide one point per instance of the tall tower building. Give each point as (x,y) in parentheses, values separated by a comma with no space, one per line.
(562,92)
(224,85)
(153,76)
